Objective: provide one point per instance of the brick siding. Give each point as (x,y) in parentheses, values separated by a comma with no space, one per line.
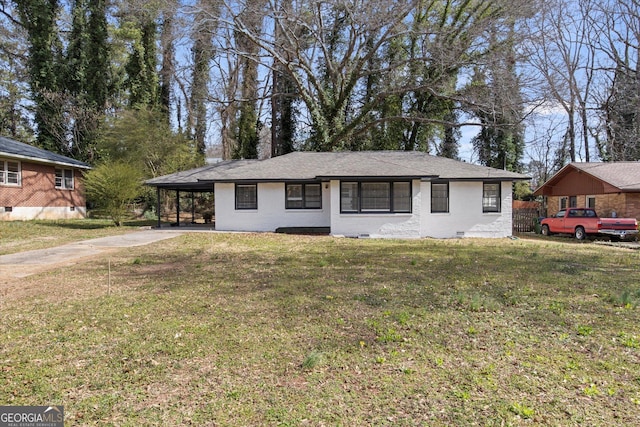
(38,189)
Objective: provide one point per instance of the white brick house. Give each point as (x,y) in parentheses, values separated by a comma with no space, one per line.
(371,193)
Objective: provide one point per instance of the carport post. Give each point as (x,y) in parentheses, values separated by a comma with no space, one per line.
(158,207)
(193,208)
(178,208)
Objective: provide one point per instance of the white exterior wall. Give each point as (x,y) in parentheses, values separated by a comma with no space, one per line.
(465,217)
(376,225)
(28,213)
(271,212)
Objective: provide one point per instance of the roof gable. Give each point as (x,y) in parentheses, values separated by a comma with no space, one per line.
(593,178)
(25,152)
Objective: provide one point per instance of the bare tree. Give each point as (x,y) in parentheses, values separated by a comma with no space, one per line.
(618,23)
(563,52)
(325,50)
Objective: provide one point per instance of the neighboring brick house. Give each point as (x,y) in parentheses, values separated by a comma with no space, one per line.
(612,189)
(39,184)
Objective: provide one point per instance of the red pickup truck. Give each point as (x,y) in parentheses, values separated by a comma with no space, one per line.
(582,222)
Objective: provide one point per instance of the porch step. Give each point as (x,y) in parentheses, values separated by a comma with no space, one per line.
(304,230)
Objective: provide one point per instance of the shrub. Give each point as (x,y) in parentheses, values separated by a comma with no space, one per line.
(112,187)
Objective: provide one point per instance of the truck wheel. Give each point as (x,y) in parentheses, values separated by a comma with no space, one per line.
(545,230)
(580,234)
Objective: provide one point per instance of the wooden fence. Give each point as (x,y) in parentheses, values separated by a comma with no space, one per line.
(524,219)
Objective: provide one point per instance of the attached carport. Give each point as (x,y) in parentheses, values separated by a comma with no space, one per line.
(198,180)
(192,189)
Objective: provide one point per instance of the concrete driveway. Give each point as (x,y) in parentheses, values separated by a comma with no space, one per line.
(23,264)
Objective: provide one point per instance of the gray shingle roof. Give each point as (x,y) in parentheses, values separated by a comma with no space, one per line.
(17,150)
(299,166)
(199,177)
(623,175)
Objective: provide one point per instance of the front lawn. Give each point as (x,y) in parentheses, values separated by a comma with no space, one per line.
(263,329)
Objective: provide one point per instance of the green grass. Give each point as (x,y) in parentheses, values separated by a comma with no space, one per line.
(17,236)
(261,329)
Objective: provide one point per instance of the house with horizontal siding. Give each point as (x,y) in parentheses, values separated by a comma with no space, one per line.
(39,184)
(398,194)
(611,188)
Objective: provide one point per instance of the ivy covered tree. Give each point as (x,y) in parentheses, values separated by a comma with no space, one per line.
(87,79)
(45,70)
(202,52)
(500,142)
(249,125)
(497,104)
(142,80)
(283,101)
(621,112)
(14,117)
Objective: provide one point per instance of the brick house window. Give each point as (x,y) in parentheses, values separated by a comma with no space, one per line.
(64,179)
(10,173)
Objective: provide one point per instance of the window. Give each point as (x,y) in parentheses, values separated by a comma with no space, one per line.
(491,197)
(402,197)
(375,197)
(304,196)
(64,179)
(591,202)
(573,202)
(246,196)
(439,197)
(563,203)
(10,173)
(349,200)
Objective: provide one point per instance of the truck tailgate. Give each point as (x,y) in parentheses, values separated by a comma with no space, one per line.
(618,224)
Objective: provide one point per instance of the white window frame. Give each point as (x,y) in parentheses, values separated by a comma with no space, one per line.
(589,205)
(6,174)
(563,203)
(64,179)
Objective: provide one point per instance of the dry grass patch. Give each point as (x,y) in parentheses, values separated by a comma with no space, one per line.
(260,329)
